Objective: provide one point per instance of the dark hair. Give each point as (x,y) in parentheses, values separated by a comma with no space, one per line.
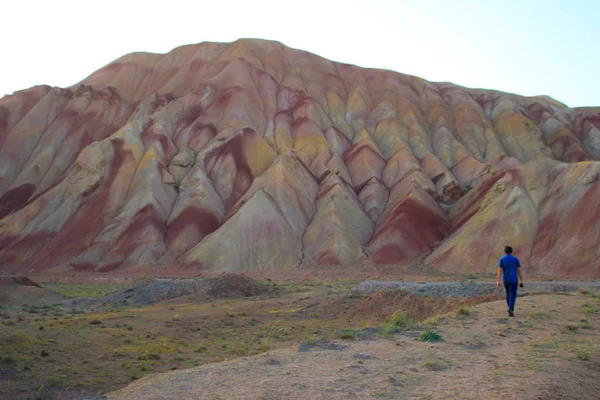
(508,250)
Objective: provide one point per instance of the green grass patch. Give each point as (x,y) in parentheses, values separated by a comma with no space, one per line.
(430,336)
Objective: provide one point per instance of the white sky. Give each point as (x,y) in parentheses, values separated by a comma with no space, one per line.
(526,47)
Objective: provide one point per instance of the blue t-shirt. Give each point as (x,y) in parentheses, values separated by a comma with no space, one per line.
(509,265)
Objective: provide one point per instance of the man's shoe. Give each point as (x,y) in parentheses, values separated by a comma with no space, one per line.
(511,313)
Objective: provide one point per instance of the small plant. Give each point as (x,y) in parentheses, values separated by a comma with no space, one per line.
(200,350)
(129,327)
(464,310)
(430,336)
(44,353)
(346,335)
(584,354)
(310,341)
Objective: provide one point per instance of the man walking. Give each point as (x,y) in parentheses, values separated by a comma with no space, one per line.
(510,269)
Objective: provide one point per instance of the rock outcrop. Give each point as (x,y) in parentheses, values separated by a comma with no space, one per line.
(252,155)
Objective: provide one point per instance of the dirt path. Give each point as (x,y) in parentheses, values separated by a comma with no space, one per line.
(549,351)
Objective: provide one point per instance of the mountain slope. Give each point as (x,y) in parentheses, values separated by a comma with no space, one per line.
(252,155)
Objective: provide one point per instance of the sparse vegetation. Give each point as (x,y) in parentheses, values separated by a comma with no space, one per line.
(434,363)
(588,309)
(396,322)
(84,290)
(585,324)
(149,339)
(149,357)
(538,315)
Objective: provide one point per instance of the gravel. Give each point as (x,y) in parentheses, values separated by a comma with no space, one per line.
(467,289)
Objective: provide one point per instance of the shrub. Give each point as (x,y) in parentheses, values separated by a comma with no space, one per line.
(265,344)
(584,354)
(8,360)
(464,310)
(430,336)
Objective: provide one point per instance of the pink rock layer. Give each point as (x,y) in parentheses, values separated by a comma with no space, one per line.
(251,156)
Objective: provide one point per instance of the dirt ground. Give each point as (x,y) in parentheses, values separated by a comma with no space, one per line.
(260,345)
(549,351)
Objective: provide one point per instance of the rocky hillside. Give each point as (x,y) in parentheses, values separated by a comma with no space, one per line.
(252,155)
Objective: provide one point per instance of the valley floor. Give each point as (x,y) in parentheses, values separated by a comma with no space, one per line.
(549,351)
(300,340)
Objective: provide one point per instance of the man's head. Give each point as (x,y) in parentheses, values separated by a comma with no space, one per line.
(508,250)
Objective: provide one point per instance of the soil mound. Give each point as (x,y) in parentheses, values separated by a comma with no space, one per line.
(15,290)
(224,286)
(467,289)
(381,305)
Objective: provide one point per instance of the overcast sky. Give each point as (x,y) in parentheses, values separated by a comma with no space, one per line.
(525,47)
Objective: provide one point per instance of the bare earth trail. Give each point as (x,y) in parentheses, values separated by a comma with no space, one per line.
(549,351)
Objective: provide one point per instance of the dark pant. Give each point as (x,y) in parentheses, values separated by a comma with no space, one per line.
(511,294)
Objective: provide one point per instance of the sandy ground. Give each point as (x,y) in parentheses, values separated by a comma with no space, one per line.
(549,351)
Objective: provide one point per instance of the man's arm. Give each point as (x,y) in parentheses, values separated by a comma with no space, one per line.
(500,274)
(520,276)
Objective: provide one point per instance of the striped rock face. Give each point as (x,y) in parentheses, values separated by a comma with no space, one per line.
(251,155)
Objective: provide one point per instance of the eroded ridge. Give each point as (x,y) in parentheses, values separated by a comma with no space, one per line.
(252,155)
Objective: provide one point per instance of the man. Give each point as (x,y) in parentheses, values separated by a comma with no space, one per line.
(510,269)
